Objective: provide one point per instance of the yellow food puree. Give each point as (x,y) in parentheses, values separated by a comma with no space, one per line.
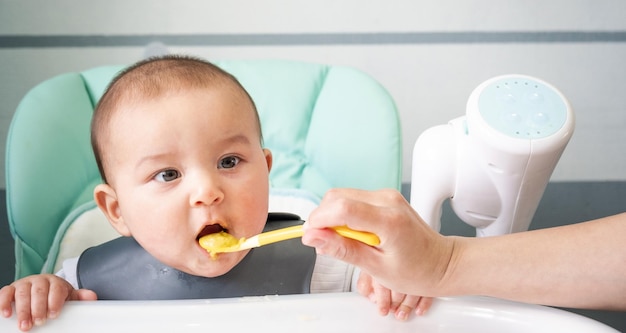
(217,242)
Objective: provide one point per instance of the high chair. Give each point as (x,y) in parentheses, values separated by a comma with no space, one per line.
(327,126)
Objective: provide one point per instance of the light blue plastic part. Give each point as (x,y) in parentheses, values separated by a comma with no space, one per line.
(327,126)
(522,108)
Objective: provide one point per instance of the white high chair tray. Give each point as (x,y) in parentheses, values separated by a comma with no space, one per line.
(341,312)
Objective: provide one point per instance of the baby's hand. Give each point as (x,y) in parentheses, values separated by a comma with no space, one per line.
(39,297)
(400,305)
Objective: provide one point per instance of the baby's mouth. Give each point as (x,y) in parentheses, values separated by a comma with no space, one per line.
(210,229)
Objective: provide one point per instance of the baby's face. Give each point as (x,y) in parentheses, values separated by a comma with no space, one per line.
(183,165)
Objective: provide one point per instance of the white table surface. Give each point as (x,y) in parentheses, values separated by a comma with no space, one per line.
(341,312)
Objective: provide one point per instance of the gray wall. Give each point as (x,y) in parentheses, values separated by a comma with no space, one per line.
(429,54)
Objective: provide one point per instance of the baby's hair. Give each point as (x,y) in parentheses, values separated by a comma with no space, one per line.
(151,78)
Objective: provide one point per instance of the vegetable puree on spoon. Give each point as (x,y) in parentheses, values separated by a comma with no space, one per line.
(217,242)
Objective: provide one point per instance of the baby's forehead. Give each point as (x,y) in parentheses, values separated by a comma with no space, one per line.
(224,93)
(135,106)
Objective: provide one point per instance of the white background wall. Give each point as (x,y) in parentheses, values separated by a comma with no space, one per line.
(429,76)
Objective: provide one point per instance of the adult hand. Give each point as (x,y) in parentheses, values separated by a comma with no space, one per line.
(411,258)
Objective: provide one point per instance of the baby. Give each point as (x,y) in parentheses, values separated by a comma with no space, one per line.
(179,147)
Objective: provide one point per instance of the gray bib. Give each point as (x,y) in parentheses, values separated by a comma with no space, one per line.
(122,270)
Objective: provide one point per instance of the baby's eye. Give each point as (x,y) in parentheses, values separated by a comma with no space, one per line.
(228,162)
(167,175)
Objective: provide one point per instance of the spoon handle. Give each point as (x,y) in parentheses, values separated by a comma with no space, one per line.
(296,231)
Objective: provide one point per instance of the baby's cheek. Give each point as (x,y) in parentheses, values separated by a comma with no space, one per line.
(168,250)
(252,221)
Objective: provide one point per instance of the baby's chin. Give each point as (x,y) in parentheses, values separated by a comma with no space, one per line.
(221,265)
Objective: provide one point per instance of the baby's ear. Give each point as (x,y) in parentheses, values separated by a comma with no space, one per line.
(106,199)
(268,158)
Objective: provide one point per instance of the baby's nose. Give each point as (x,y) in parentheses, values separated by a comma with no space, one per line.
(206,190)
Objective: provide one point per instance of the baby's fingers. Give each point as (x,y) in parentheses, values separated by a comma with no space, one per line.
(58,294)
(23,309)
(383,298)
(364,285)
(424,305)
(420,304)
(39,295)
(6,299)
(403,309)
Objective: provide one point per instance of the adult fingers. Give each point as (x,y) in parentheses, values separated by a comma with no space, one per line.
(385,213)
(327,242)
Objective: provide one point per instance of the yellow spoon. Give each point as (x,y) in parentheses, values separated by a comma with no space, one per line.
(223,242)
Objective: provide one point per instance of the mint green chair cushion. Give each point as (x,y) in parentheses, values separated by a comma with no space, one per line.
(327,126)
